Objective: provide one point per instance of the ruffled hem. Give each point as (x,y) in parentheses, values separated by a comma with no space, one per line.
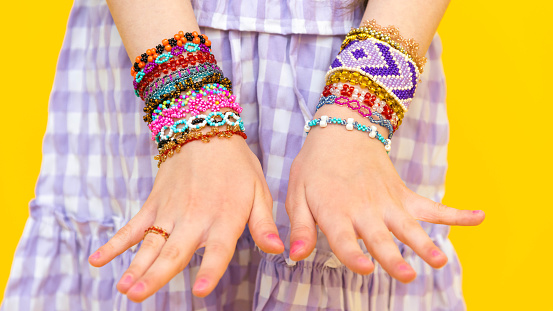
(50,271)
(322,282)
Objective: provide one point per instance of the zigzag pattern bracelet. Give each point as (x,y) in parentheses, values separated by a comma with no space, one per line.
(350,124)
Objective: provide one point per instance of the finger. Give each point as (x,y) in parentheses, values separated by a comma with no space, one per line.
(409,231)
(427,210)
(149,250)
(126,237)
(343,242)
(173,258)
(380,244)
(219,249)
(303,234)
(261,224)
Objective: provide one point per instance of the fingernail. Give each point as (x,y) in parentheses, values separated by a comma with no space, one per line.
(363,260)
(436,253)
(139,287)
(476,212)
(127,279)
(201,284)
(296,246)
(404,267)
(274,238)
(95,255)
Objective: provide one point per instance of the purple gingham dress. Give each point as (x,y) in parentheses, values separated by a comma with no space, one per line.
(97,168)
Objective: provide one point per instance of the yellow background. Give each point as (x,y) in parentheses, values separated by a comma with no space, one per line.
(497,57)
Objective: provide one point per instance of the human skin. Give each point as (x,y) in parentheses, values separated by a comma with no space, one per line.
(365,198)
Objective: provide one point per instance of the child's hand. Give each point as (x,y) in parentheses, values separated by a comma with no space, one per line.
(345,183)
(202,196)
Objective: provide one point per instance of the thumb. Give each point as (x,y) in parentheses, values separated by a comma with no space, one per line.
(262,226)
(303,235)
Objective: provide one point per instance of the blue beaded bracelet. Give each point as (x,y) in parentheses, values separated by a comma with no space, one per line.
(170,86)
(350,124)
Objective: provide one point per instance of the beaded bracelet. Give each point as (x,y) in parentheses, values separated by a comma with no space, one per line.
(410,45)
(151,105)
(374,117)
(381,63)
(181,72)
(356,78)
(174,146)
(156,89)
(367,102)
(192,102)
(169,45)
(153,70)
(350,124)
(197,123)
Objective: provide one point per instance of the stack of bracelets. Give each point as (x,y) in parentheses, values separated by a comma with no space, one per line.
(184,91)
(376,74)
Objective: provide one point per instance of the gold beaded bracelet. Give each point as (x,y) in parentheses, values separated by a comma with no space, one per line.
(174,146)
(357,78)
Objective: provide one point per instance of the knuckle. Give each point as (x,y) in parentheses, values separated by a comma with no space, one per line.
(301,229)
(124,235)
(170,253)
(263,224)
(150,243)
(380,238)
(219,248)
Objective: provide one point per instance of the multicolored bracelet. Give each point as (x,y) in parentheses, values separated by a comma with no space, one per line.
(180,73)
(373,117)
(384,65)
(152,70)
(356,78)
(367,102)
(174,146)
(155,91)
(173,45)
(180,87)
(197,123)
(350,124)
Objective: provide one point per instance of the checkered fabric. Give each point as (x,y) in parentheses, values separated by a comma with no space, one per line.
(98,170)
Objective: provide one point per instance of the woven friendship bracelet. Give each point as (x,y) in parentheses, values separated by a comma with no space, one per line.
(350,124)
(373,117)
(386,66)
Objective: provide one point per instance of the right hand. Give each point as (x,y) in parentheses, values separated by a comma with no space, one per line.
(202,196)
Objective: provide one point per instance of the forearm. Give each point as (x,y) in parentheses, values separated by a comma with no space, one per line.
(416,19)
(142,24)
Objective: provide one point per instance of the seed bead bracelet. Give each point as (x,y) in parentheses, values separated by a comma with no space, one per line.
(367,102)
(209,97)
(384,65)
(365,32)
(153,70)
(198,122)
(356,78)
(156,89)
(168,45)
(410,45)
(174,146)
(373,117)
(178,109)
(350,124)
(179,73)
(151,105)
